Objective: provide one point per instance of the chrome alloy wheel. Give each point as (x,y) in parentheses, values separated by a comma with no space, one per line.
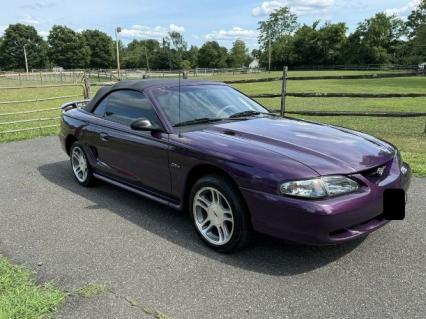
(79,164)
(213,216)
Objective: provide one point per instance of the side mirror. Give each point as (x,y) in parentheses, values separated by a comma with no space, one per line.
(144,124)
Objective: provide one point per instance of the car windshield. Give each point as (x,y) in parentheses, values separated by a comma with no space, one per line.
(204,103)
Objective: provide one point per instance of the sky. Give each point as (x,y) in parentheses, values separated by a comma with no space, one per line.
(199,21)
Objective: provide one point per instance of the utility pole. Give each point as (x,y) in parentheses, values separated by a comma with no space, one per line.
(26,59)
(146,57)
(269,54)
(170,58)
(25,52)
(117,31)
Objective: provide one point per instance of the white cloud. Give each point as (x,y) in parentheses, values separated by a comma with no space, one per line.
(43,34)
(29,20)
(404,10)
(300,7)
(232,34)
(38,5)
(176,28)
(2,29)
(141,31)
(266,8)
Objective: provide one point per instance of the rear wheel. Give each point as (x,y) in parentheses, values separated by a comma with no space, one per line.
(219,214)
(80,165)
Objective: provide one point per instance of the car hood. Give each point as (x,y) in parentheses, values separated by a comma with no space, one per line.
(325,149)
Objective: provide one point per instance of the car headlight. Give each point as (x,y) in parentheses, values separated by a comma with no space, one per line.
(326,186)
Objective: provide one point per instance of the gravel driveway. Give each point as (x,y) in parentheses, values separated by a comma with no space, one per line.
(150,254)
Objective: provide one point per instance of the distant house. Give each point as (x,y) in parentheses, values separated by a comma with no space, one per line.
(58,69)
(254,64)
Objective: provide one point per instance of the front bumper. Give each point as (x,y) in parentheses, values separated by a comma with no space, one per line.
(62,141)
(329,221)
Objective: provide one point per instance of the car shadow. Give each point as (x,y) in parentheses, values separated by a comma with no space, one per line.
(264,255)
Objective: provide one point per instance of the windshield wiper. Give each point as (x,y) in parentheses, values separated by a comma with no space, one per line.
(250,113)
(198,121)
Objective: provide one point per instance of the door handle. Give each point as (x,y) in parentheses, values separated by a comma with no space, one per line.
(104,137)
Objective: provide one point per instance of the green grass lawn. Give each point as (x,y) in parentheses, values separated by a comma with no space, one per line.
(33,79)
(22,298)
(406,133)
(347,104)
(387,85)
(45,118)
(238,76)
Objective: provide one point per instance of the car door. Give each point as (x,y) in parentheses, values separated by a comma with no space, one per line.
(139,158)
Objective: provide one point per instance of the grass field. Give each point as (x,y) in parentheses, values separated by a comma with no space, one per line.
(239,76)
(388,85)
(32,79)
(128,75)
(45,118)
(406,133)
(21,297)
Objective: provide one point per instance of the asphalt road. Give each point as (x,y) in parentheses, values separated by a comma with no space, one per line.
(150,253)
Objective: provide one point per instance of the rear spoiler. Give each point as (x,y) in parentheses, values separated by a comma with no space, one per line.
(74,104)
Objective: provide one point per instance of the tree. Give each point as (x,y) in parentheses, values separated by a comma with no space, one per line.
(177,40)
(305,45)
(376,40)
(1,49)
(212,55)
(418,46)
(142,54)
(17,36)
(68,48)
(185,65)
(192,56)
(239,54)
(101,49)
(331,39)
(280,23)
(417,19)
(415,50)
(179,46)
(283,53)
(256,53)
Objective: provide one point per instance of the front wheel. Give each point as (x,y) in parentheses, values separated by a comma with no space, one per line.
(80,165)
(219,214)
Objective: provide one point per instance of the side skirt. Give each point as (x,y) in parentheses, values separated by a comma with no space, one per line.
(138,191)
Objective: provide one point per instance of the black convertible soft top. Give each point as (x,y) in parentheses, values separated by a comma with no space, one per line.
(140,85)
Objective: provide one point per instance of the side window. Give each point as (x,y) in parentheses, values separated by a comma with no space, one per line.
(126,106)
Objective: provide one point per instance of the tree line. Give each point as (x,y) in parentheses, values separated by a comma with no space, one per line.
(95,49)
(381,39)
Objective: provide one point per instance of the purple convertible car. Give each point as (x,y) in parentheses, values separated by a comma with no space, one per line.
(237,168)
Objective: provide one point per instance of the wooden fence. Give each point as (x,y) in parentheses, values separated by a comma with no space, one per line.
(41,118)
(39,78)
(283,94)
(85,81)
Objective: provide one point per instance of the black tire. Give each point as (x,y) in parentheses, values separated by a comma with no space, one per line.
(242,230)
(89,179)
